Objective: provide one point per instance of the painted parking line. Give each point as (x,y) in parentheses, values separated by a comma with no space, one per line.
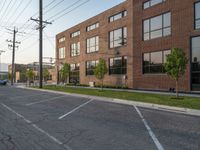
(155,140)
(37,128)
(73,110)
(42,101)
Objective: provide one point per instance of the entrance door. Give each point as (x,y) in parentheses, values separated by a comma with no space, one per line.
(195,63)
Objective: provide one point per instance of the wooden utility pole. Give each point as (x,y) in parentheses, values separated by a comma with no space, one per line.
(40,22)
(13,46)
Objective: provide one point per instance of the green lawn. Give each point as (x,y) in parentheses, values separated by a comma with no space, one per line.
(186,102)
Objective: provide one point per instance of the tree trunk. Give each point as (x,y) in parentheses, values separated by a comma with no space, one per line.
(176,88)
(102,84)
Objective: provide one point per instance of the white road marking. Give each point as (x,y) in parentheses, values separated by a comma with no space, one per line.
(37,128)
(61,117)
(54,98)
(155,140)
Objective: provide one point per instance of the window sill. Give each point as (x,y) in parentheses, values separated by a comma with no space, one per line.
(117,47)
(92,52)
(154,74)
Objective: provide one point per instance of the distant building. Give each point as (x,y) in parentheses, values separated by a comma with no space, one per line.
(134,38)
(20,71)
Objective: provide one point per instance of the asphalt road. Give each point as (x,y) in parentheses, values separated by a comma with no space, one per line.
(33,120)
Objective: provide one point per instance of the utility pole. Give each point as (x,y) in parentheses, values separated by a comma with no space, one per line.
(41,26)
(13,46)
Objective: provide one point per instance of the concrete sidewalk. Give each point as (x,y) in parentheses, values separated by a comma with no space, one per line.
(185,111)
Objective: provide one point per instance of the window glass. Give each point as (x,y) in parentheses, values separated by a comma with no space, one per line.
(75,49)
(154,2)
(118,16)
(197,15)
(156,27)
(153,62)
(74,75)
(90,66)
(150,3)
(93,44)
(118,65)
(62,53)
(118,37)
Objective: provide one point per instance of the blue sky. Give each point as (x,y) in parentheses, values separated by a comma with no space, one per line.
(28,49)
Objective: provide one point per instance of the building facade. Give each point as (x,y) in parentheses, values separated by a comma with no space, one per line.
(134,38)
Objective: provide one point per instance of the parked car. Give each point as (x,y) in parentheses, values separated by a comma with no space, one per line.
(3,82)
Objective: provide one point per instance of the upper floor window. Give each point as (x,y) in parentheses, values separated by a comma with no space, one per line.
(118,16)
(62,39)
(118,65)
(75,49)
(90,66)
(93,44)
(61,52)
(74,34)
(92,27)
(150,3)
(156,27)
(153,62)
(197,15)
(118,37)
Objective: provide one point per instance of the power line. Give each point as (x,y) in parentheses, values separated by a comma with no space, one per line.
(65,9)
(53,6)
(70,10)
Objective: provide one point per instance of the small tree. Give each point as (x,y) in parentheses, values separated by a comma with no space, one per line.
(100,71)
(64,73)
(46,74)
(30,75)
(175,65)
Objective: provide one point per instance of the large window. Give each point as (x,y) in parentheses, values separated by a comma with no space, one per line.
(118,16)
(74,34)
(74,73)
(118,65)
(156,27)
(153,62)
(150,3)
(75,49)
(118,37)
(92,27)
(93,44)
(61,53)
(195,68)
(90,66)
(197,15)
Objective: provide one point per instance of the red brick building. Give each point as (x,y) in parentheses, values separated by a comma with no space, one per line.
(134,39)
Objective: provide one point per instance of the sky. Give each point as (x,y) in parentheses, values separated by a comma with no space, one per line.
(18,13)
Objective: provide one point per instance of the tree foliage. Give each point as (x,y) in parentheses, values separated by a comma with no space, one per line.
(46,74)
(64,72)
(30,75)
(100,70)
(176,64)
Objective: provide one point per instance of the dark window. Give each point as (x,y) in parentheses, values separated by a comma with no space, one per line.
(118,16)
(156,27)
(93,44)
(197,15)
(118,65)
(74,73)
(195,68)
(118,37)
(150,3)
(75,49)
(153,62)
(90,66)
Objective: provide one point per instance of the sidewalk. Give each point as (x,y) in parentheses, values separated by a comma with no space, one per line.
(172,109)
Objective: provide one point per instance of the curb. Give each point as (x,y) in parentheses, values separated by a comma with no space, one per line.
(179,110)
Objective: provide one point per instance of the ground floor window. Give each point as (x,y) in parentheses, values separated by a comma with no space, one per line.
(74,76)
(195,63)
(118,65)
(90,66)
(153,62)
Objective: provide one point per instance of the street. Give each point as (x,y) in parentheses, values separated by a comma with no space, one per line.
(34,120)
